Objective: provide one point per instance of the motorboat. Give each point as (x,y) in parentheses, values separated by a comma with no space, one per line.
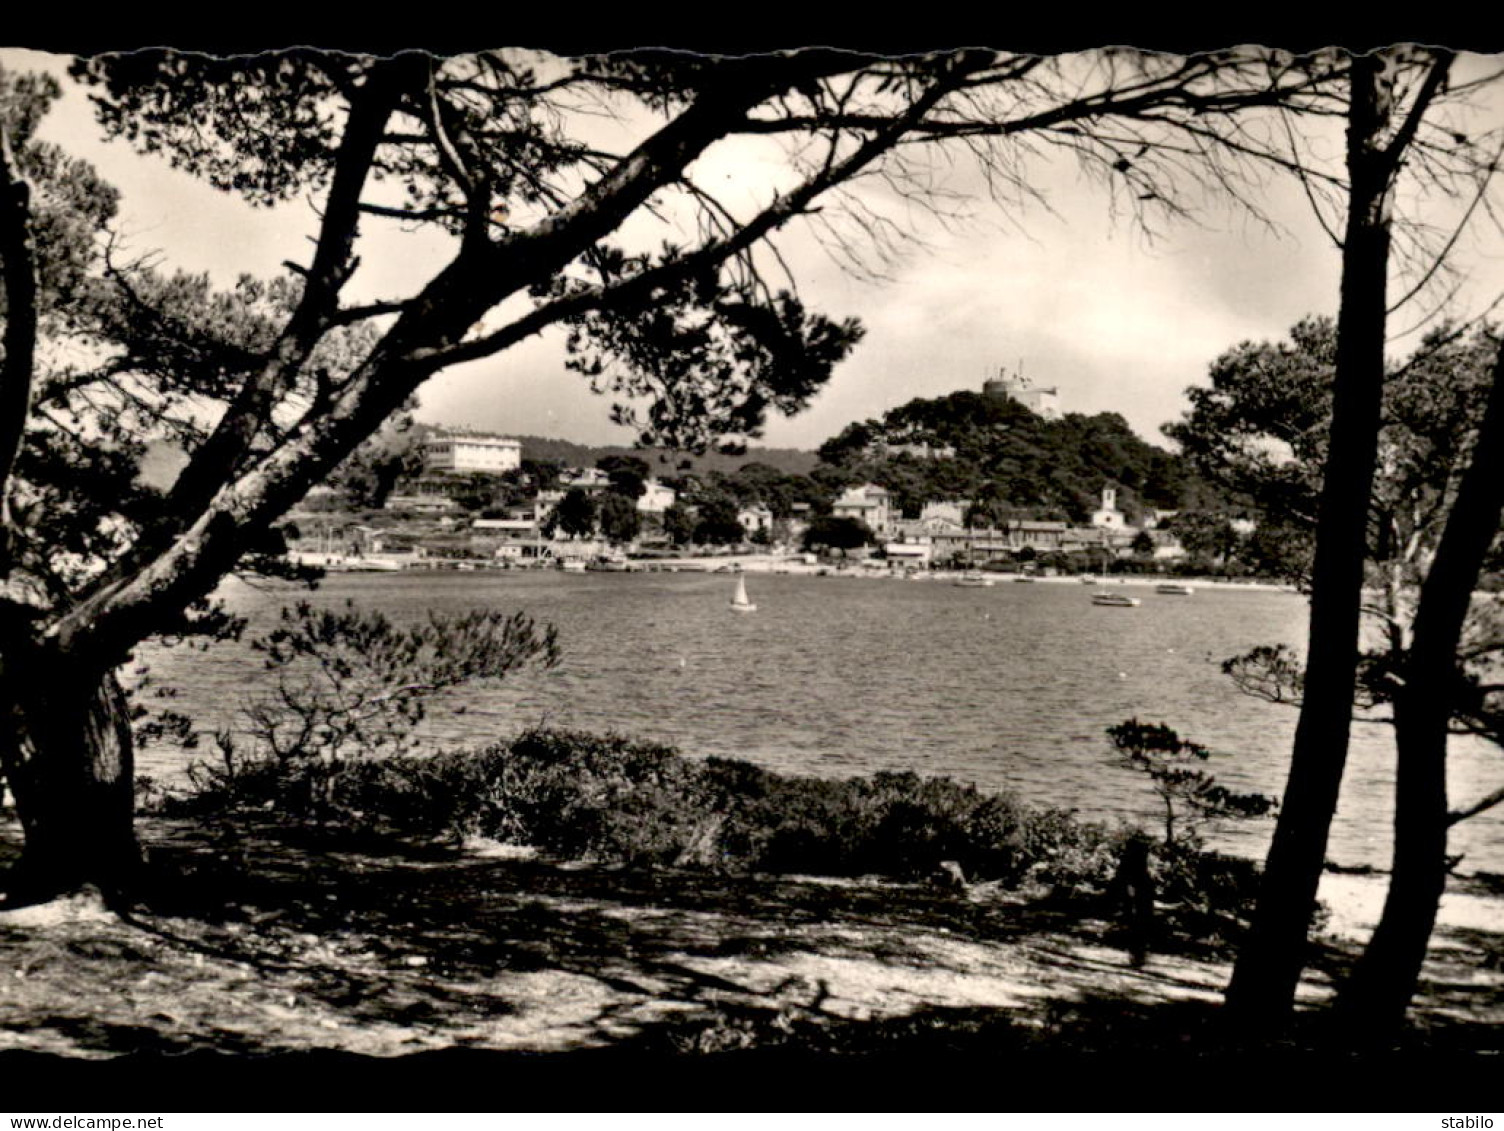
(346,563)
(973,579)
(1115,600)
(1174,589)
(609,563)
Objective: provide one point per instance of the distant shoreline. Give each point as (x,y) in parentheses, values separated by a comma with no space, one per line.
(768,563)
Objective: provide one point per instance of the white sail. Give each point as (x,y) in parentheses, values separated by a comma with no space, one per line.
(739,601)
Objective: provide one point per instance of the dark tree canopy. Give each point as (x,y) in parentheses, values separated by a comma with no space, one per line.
(575,516)
(1260,430)
(716,521)
(628,474)
(838,532)
(619,518)
(679,524)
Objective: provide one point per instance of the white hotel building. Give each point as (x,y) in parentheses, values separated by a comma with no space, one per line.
(457,451)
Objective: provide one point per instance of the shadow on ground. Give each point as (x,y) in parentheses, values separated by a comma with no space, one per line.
(252,939)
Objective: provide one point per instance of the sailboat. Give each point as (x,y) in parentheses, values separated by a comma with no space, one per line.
(739,602)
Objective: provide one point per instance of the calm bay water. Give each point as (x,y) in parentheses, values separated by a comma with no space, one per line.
(1010,687)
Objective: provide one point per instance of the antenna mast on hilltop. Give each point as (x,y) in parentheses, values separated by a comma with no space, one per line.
(1006,380)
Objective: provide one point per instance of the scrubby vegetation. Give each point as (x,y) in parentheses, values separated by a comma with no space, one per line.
(1203,886)
(1188,792)
(611,799)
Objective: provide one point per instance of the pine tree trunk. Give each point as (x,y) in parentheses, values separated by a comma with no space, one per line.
(1372,1005)
(1261,996)
(67,751)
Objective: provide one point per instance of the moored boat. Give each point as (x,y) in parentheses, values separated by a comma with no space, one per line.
(1116,600)
(609,563)
(1174,589)
(346,563)
(973,579)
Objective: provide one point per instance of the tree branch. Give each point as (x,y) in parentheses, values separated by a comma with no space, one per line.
(120,608)
(422,215)
(351,314)
(1435,78)
(1440,257)
(216,460)
(782,209)
(1484,804)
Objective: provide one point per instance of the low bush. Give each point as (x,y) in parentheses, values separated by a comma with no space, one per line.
(609,798)
(1208,890)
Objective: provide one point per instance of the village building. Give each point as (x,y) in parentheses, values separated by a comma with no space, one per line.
(545,502)
(949,538)
(422,504)
(952,511)
(868,504)
(510,539)
(1166,543)
(907,553)
(459,451)
(1107,516)
(656,498)
(591,479)
(755,518)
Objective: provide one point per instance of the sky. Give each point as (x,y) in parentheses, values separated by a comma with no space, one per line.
(1078,300)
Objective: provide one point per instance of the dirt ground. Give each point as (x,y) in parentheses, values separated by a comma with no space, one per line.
(254,942)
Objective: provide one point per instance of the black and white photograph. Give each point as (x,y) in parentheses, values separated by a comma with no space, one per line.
(951,565)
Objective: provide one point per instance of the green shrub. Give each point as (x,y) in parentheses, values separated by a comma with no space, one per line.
(1186,790)
(1208,890)
(609,798)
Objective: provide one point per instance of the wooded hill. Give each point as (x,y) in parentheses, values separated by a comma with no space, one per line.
(969,445)
(666,462)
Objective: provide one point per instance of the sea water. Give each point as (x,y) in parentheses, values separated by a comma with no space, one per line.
(1010,687)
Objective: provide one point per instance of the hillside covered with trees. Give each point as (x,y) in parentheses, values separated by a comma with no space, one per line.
(667,461)
(1011,461)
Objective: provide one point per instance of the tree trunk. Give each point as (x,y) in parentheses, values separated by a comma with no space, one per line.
(1373,1003)
(67,752)
(1261,996)
(1371,1006)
